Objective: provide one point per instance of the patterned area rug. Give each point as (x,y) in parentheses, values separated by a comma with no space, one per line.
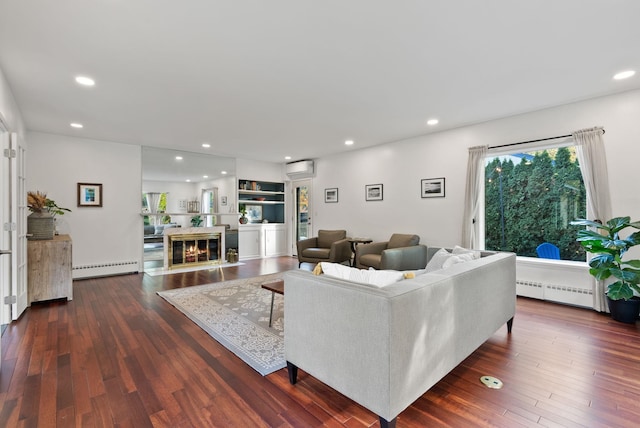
(236,314)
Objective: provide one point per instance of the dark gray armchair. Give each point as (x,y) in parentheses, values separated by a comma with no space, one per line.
(400,252)
(329,246)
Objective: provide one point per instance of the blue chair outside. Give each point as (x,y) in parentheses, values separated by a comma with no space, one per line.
(547,250)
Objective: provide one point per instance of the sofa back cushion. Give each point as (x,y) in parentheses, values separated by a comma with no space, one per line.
(399,240)
(328,237)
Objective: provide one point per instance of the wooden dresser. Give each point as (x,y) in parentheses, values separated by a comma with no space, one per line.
(49,269)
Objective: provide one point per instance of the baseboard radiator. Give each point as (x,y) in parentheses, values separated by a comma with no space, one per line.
(555,292)
(105,269)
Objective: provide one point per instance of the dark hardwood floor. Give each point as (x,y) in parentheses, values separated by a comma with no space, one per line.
(119,355)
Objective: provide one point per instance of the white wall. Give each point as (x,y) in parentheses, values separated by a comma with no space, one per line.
(9,110)
(400,166)
(108,234)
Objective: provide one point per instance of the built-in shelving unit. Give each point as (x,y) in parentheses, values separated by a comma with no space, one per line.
(264,200)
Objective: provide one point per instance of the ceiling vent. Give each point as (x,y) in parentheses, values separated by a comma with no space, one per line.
(300,169)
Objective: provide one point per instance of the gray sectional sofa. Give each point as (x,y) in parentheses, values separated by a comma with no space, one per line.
(385,347)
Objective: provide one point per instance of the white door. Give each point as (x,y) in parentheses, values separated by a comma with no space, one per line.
(5,235)
(19,227)
(302,224)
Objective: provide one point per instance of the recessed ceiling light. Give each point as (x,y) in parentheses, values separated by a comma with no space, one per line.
(348,143)
(287,158)
(205,176)
(76,125)
(178,157)
(223,172)
(188,180)
(432,122)
(624,74)
(206,145)
(85,81)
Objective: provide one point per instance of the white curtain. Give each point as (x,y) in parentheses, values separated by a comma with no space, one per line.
(473,190)
(153,201)
(593,165)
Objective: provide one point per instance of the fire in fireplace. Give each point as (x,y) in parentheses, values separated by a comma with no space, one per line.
(194,249)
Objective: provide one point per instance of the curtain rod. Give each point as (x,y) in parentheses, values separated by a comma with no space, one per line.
(533,141)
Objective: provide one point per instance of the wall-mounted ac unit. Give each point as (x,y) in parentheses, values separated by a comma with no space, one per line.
(300,169)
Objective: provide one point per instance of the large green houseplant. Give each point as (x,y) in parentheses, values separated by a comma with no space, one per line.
(609,249)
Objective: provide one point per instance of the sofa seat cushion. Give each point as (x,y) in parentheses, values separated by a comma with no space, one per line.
(317,253)
(371,260)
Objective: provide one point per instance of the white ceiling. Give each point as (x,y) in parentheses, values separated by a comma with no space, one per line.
(263,79)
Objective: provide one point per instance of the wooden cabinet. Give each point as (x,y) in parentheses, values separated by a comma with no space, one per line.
(262,240)
(49,269)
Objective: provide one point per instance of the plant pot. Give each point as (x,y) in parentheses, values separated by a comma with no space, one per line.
(624,310)
(244,220)
(40,226)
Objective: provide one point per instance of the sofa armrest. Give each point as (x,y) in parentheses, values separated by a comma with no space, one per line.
(340,251)
(306,243)
(404,258)
(371,248)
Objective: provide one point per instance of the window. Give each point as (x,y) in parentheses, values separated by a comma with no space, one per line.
(530,198)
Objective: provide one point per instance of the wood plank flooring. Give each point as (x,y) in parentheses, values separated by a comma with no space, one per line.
(119,355)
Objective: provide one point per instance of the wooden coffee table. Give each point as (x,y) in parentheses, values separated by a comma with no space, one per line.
(274,287)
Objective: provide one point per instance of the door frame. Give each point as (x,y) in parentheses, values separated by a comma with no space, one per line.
(294,214)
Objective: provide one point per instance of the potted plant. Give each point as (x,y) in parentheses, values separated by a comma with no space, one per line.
(243,211)
(196,221)
(40,223)
(609,249)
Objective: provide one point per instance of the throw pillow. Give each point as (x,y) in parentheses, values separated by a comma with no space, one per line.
(437,260)
(460,250)
(378,278)
(457,258)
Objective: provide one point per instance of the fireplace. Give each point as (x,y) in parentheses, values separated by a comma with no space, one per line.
(194,249)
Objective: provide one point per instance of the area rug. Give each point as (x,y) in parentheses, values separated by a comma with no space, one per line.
(236,314)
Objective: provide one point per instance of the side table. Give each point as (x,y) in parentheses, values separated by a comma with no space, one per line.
(354,243)
(274,287)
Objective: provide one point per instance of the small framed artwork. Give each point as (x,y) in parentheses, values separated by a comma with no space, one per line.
(373,192)
(432,187)
(254,213)
(89,195)
(223,201)
(331,195)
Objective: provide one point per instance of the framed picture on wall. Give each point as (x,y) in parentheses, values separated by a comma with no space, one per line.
(89,195)
(432,187)
(373,192)
(254,213)
(223,201)
(331,195)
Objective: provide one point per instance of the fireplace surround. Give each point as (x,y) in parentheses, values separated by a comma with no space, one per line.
(193,246)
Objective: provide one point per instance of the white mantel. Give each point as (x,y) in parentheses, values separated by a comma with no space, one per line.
(191,231)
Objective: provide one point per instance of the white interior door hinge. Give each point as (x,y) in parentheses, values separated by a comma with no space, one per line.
(9,227)
(10,153)
(10,300)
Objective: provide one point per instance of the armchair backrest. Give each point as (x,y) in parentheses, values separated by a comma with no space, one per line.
(328,237)
(399,240)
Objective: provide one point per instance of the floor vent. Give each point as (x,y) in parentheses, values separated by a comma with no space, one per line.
(105,269)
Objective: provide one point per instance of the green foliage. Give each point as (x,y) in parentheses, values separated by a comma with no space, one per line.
(609,249)
(54,209)
(196,221)
(539,198)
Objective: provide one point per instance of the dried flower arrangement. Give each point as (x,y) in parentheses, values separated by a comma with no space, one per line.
(36,201)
